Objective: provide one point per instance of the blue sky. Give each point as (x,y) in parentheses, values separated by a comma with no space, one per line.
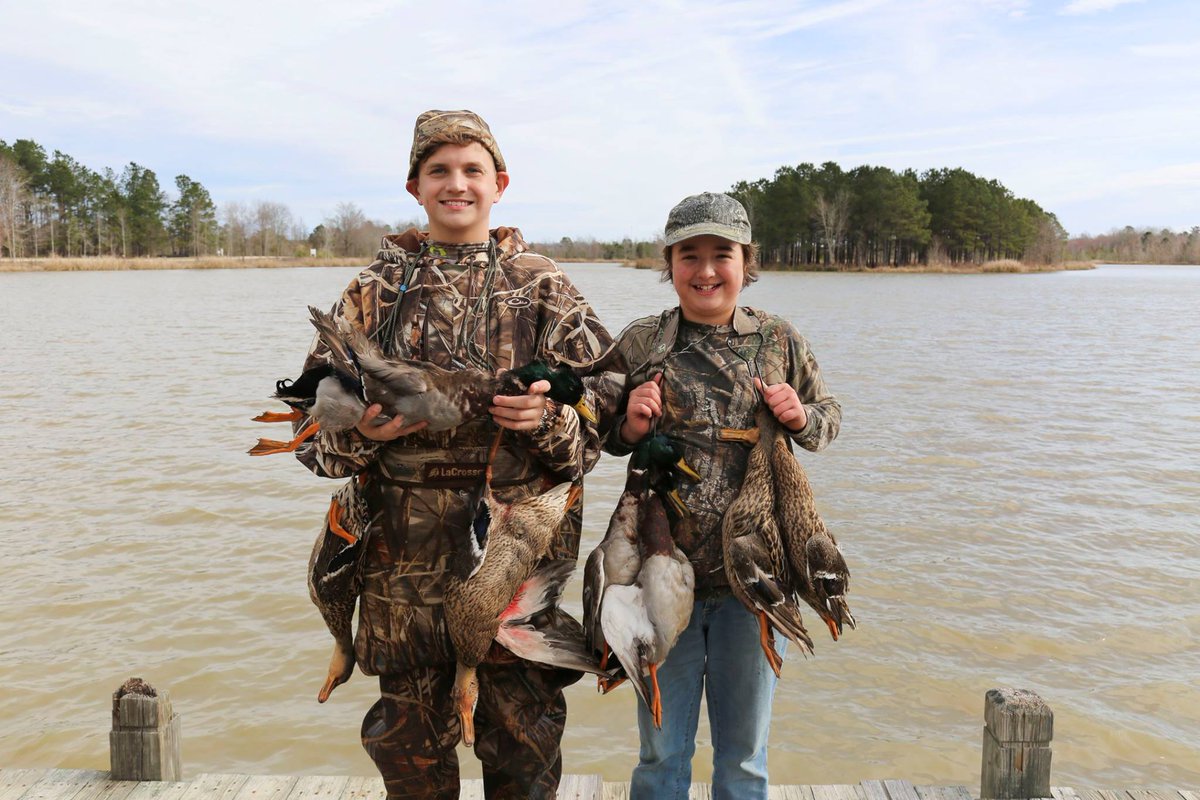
(610,112)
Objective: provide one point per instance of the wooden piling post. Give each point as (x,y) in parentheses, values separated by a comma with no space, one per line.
(1018,727)
(146,733)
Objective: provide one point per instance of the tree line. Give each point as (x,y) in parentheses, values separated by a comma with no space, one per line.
(1131,245)
(873,216)
(52,205)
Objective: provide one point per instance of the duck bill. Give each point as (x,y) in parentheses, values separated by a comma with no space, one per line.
(341,665)
(585,411)
(465,696)
(687,470)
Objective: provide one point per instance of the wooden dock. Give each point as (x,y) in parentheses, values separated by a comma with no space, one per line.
(83,784)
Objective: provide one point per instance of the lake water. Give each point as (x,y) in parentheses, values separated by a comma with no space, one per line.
(1016,488)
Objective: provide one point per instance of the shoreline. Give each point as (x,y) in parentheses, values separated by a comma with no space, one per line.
(110,264)
(985,268)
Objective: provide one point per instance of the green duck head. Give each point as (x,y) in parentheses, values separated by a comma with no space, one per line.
(566,386)
(664,463)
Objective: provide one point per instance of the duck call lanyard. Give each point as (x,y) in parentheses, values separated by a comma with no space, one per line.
(661,350)
(465,341)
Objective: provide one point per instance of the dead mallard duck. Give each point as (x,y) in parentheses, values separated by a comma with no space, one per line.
(488,592)
(820,575)
(358,374)
(756,562)
(335,577)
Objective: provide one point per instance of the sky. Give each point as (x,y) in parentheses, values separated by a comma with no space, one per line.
(608,113)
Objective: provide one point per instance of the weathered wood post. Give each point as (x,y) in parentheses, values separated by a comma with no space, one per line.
(1018,726)
(146,733)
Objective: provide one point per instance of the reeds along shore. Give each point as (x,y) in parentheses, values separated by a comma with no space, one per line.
(1004,265)
(102,263)
(106,263)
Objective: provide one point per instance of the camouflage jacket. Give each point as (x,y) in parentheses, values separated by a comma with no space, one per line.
(707,388)
(455,310)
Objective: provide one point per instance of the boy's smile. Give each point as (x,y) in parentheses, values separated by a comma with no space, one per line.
(458,185)
(707,272)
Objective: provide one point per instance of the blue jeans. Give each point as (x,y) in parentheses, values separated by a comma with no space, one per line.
(718,656)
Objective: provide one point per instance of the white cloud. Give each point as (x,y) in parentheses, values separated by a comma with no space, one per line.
(1093,6)
(608,112)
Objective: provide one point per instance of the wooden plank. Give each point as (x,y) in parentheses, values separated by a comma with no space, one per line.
(1063,793)
(943,792)
(105,788)
(791,792)
(212,786)
(265,787)
(1088,794)
(617,790)
(318,787)
(837,791)
(16,782)
(580,787)
(160,790)
(873,790)
(61,784)
(900,790)
(360,788)
(1189,795)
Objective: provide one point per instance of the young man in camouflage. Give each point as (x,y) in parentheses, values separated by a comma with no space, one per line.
(458,294)
(701,369)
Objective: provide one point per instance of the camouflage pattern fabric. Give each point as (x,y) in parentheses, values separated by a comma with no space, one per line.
(438,127)
(411,732)
(707,387)
(456,310)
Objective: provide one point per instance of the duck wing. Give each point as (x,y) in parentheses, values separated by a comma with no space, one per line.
(615,560)
(529,628)
(817,565)
(755,563)
(629,633)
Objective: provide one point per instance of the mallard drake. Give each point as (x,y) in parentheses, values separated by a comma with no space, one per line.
(335,577)
(643,620)
(489,573)
(755,558)
(821,576)
(665,466)
(613,562)
(336,393)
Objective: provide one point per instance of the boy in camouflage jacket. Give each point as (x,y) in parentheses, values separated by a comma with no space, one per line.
(698,371)
(459,294)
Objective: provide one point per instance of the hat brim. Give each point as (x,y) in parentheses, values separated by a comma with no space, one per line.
(733,234)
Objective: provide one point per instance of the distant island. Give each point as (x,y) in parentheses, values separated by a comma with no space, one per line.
(58,214)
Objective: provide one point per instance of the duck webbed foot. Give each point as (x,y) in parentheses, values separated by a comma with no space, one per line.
(268,447)
(465,696)
(656,708)
(765,640)
(278,416)
(341,665)
(335,522)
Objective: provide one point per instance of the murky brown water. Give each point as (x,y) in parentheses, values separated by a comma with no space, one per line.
(1017,488)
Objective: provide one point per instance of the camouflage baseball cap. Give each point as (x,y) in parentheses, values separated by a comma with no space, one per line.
(438,127)
(717,214)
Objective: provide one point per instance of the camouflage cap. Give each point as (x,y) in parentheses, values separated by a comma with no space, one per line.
(711,213)
(439,127)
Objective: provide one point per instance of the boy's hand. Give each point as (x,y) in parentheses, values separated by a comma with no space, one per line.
(645,403)
(785,405)
(394,428)
(522,412)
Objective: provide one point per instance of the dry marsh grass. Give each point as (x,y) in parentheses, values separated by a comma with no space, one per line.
(102,263)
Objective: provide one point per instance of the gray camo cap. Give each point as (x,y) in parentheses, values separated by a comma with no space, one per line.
(708,213)
(436,127)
